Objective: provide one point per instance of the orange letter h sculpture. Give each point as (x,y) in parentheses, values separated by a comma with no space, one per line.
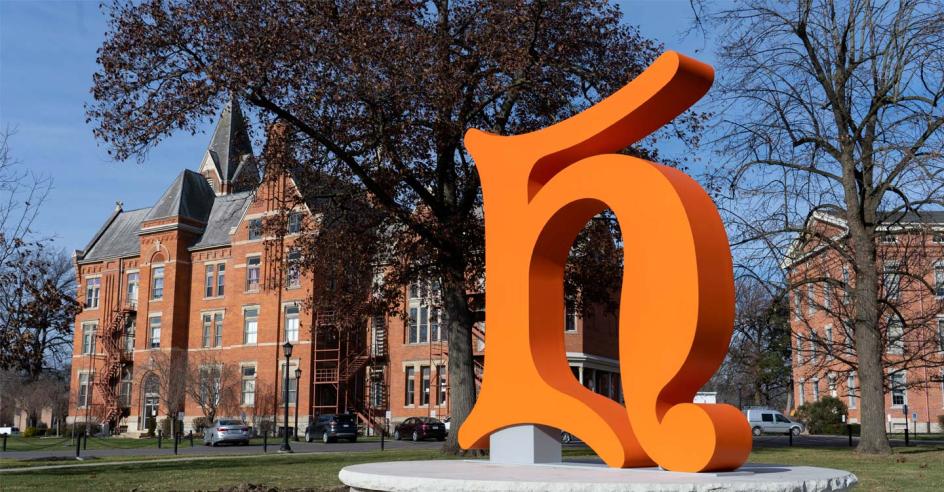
(677,298)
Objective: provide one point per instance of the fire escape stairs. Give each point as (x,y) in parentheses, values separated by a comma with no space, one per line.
(115,359)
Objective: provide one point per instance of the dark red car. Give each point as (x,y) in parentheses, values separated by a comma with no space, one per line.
(420,428)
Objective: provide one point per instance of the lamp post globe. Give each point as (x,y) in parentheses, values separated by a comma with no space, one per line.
(287,350)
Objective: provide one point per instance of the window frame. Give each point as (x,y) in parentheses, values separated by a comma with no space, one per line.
(89,337)
(254,229)
(152,343)
(409,387)
(246,323)
(157,292)
(93,293)
(253,271)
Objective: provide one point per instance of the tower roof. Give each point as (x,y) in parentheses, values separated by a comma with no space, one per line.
(230,144)
(189,196)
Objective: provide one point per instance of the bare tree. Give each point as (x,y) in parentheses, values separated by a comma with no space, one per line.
(832,121)
(212,384)
(169,370)
(757,370)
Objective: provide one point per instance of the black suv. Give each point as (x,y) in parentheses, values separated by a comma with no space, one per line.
(331,427)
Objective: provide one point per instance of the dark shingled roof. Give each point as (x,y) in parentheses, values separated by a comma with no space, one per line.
(230,142)
(226,212)
(118,238)
(188,196)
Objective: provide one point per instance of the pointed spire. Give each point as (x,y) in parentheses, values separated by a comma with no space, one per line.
(230,143)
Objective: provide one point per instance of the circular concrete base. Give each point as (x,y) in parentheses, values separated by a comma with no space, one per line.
(481,475)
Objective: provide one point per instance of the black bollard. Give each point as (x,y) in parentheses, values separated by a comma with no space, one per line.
(4,443)
(78,447)
(176,439)
(906,436)
(265,442)
(160,437)
(85,440)
(382,439)
(849,430)
(790,435)
(191,438)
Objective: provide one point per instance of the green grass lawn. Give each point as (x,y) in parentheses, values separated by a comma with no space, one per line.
(919,468)
(41,443)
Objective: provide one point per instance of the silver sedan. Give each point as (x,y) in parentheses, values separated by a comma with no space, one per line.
(234,431)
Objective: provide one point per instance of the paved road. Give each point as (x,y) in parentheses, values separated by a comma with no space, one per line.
(68,451)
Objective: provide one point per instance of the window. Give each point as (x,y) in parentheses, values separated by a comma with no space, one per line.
(92,289)
(409,387)
(411,332)
(377,394)
(293,277)
(294,222)
(940,333)
(810,299)
(814,345)
(250,325)
(570,316)
(255,228)
(892,280)
(220,276)
(88,337)
(133,279)
(816,390)
(435,334)
(209,281)
(424,387)
(124,390)
(84,386)
(154,332)
(827,296)
(292,387)
(291,323)
(213,330)
(424,324)
(851,383)
(218,330)
(829,341)
(831,384)
(157,282)
(130,328)
(440,385)
(939,280)
(248,387)
(896,335)
(767,417)
(252,273)
(938,238)
(210,384)
(207,329)
(797,304)
(899,395)
(801,393)
(889,238)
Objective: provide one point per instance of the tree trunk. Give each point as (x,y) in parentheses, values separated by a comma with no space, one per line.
(868,343)
(461,368)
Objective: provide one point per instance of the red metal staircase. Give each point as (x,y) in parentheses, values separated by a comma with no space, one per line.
(115,359)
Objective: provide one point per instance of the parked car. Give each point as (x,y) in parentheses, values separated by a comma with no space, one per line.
(568,438)
(331,427)
(232,431)
(420,428)
(9,431)
(766,420)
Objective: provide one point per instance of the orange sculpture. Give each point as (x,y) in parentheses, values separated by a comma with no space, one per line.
(677,299)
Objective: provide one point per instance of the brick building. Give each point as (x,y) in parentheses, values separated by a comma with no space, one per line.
(194,278)
(910,254)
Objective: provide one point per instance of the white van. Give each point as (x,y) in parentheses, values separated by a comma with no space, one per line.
(766,420)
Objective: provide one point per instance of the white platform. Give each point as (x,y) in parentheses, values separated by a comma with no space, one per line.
(481,475)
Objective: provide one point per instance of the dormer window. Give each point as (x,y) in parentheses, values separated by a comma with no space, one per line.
(255,229)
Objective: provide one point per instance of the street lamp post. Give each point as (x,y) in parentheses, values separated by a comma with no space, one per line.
(298,377)
(287,350)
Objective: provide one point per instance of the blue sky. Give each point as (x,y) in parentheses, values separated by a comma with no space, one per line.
(47,57)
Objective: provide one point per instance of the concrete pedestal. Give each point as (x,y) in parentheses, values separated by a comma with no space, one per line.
(481,475)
